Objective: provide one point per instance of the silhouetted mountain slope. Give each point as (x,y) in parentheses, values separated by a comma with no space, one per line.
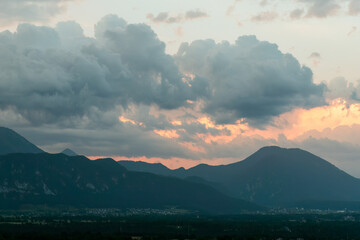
(11,142)
(57,179)
(155,168)
(278,176)
(69,152)
(159,169)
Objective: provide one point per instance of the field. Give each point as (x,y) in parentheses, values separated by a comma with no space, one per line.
(103,225)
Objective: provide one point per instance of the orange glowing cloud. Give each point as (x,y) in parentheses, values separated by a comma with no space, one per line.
(299,121)
(127,120)
(295,125)
(235,130)
(292,124)
(176,123)
(167,133)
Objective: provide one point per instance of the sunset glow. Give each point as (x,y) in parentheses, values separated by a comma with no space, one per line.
(183,83)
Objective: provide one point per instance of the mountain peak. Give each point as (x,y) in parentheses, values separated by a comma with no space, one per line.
(69,152)
(278,149)
(12,142)
(282,151)
(278,176)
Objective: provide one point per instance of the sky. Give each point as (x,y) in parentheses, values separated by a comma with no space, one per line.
(183,82)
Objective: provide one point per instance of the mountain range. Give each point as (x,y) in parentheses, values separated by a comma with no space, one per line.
(62,180)
(271,177)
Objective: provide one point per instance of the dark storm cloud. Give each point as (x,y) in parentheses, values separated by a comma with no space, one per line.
(51,74)
(249,79)
(119,140)
(29,10)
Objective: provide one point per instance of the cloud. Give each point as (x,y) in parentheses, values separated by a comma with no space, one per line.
(29,10)
(46,80)
(341,88)
(164,17)
(315,55)
(194,14)
(354,7)
(249,80)
(109,23)
(268,16)
(119,140)
(321,8)
(297,13)
(263,3)
(67,90)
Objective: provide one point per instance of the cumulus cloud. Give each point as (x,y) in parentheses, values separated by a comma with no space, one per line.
(67,90)
(46,80)
(249,80)
(341,88)
(30,10)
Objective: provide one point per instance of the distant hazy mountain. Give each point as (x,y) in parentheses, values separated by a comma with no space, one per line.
(58,179)
(12,142)
(159,169)
(69,152)
(276,176)
(156,168)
